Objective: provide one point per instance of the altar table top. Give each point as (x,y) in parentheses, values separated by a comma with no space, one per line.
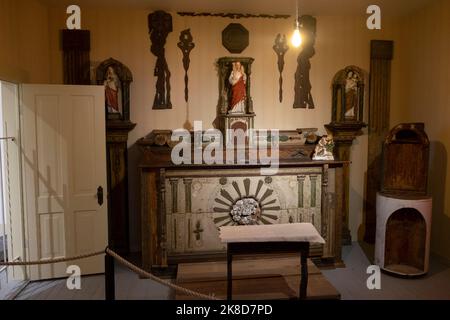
(289,232)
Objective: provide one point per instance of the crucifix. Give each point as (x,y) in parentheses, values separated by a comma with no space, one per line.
(198,230)
(280,47)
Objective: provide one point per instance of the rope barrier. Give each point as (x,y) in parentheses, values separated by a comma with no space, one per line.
(48,261)
(146,274)
(122,261)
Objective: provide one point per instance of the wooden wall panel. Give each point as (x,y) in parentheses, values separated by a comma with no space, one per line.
(379,106)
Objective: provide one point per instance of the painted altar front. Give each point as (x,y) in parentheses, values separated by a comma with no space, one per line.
(184,205)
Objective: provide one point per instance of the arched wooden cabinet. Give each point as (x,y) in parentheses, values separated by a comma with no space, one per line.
(405,160)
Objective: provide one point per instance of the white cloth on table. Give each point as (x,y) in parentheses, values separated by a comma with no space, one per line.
(271,233)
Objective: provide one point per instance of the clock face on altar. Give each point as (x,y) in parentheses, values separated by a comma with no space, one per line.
(246,202)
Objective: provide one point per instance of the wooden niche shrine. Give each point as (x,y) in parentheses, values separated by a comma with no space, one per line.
(346,125)
(116,78)
(405,160)
(235,105)
(404,210)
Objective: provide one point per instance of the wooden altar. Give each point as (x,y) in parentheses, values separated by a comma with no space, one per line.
(182,206)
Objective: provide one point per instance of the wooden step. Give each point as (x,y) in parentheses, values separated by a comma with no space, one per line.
(261,279)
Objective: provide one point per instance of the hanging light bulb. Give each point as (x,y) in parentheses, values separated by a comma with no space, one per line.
(296,39)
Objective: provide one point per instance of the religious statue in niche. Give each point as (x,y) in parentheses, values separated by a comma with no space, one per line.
(348,95)
(186,45)
(160,25)
(302,89)
(351,94)
(235,105)
(113,92)
(116,79)
(280,47)
(237,94)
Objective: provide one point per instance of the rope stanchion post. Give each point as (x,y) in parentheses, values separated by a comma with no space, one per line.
(110,285)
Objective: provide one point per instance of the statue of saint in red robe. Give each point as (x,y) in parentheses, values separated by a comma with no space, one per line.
(238,80)
(112,88)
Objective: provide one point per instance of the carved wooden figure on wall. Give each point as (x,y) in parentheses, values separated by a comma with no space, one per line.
(280,47)
(302,89)
(160,25)
(186,45)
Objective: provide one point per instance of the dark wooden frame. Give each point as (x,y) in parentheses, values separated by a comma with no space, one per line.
(242,248)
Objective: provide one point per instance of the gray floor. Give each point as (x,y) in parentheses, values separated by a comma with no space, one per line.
(350,281)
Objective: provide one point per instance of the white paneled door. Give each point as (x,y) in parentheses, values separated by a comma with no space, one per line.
(64,165)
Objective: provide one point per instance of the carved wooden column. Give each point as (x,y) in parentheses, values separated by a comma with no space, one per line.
(117,157)
(76,45)
(379,106)
(343,136)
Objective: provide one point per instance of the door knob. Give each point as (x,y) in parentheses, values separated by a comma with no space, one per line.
(100,195)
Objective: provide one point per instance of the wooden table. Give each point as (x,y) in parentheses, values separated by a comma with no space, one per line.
(265,239)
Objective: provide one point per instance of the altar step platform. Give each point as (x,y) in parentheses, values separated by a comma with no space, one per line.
(271,277)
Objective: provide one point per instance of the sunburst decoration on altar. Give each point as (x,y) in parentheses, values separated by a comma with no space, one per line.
(244,204)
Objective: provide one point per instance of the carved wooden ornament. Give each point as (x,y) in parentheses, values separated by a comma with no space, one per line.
(280,47)
(303,97)
(235,38)
(159,26)
(186,45)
